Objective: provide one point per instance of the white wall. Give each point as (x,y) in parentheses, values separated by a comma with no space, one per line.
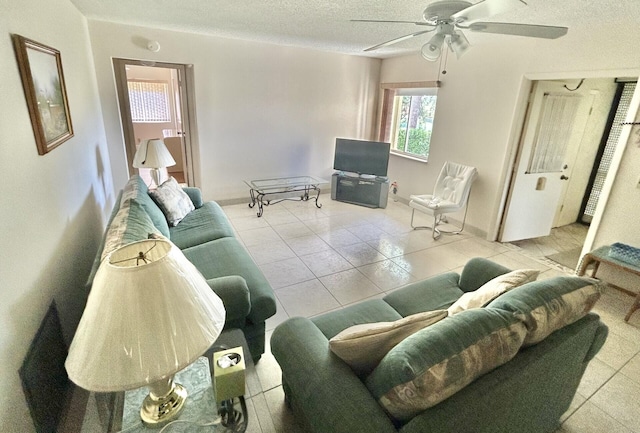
(53,206)
(480,102)
(262,110)
(474,114)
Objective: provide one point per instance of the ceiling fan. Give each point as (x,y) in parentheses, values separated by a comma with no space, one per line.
(447,17)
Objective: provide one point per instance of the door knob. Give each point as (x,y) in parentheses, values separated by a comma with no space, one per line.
(563,177)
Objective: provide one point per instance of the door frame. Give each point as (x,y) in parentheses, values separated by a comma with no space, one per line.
(520,111)
(187,108)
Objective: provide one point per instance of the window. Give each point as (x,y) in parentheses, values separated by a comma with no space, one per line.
(407,118)
(553,132)
(149,101)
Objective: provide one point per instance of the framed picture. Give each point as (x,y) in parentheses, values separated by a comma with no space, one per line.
(43,82)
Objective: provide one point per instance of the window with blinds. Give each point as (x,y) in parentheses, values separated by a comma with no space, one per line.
(149,101)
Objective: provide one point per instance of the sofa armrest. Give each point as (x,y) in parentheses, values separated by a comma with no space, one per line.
(478,271)
(195,195)
(326,392)
(234,293)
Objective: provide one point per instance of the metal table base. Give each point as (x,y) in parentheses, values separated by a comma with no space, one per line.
(261,190)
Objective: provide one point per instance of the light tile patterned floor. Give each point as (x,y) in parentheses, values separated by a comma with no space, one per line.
(318,260)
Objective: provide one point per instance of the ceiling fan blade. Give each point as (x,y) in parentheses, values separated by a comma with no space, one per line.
(530,30)
(485,9)
(400,39)
(417,23)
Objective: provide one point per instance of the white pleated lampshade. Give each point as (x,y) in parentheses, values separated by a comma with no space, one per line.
(144,321)
(153,154)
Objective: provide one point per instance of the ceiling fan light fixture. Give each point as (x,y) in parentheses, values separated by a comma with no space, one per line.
(432,49)
(458,43)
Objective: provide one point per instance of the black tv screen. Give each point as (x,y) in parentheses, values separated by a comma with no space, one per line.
(362,157)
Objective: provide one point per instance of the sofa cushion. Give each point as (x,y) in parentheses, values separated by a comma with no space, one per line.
(172,200)
(492,289)
(137,189)
(363,346)
(436,362)
(548,305)
(201,225)
(369,311)
(435,293)
(131,224)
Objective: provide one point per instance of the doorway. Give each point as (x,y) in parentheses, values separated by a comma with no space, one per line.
(155,102)
(565,126)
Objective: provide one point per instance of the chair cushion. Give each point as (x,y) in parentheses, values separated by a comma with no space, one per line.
(492,289)
(432,205)
(438,361)
(363,346)
(173,201)
(548,305)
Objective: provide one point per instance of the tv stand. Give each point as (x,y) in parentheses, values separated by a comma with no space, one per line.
(369,191)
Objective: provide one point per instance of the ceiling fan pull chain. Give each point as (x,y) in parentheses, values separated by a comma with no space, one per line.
(446,57)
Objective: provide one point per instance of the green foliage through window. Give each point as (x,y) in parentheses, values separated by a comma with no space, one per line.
(413,124)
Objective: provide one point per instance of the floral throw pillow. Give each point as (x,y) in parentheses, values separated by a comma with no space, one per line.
(173,201)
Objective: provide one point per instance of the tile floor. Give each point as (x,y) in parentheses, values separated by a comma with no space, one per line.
(564,238)
(318,260)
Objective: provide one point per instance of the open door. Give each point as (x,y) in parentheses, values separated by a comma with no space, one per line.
(154,103)
(551,137)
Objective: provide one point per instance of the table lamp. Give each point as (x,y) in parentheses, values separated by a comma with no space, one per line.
(150,314)
(153,154)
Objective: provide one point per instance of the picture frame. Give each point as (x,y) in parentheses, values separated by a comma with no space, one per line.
(44,88)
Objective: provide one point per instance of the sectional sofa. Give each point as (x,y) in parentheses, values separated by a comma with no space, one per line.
(512,365)
(206,238)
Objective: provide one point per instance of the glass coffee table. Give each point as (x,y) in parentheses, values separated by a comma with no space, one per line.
(271,191)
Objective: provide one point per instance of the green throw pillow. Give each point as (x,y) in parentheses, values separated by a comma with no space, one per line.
(492,289)
(548,305)
(436,362)
(136,188)
(131,224)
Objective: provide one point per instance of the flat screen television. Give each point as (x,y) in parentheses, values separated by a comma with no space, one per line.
(362,157)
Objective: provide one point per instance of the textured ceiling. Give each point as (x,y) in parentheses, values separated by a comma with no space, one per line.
(325,25)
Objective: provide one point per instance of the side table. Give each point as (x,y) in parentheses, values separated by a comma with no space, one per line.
(119,412)
(601,255)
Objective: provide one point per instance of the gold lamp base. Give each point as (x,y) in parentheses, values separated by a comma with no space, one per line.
(163,404)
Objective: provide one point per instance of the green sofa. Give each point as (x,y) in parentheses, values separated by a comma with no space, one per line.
(528,393)
(206,238)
